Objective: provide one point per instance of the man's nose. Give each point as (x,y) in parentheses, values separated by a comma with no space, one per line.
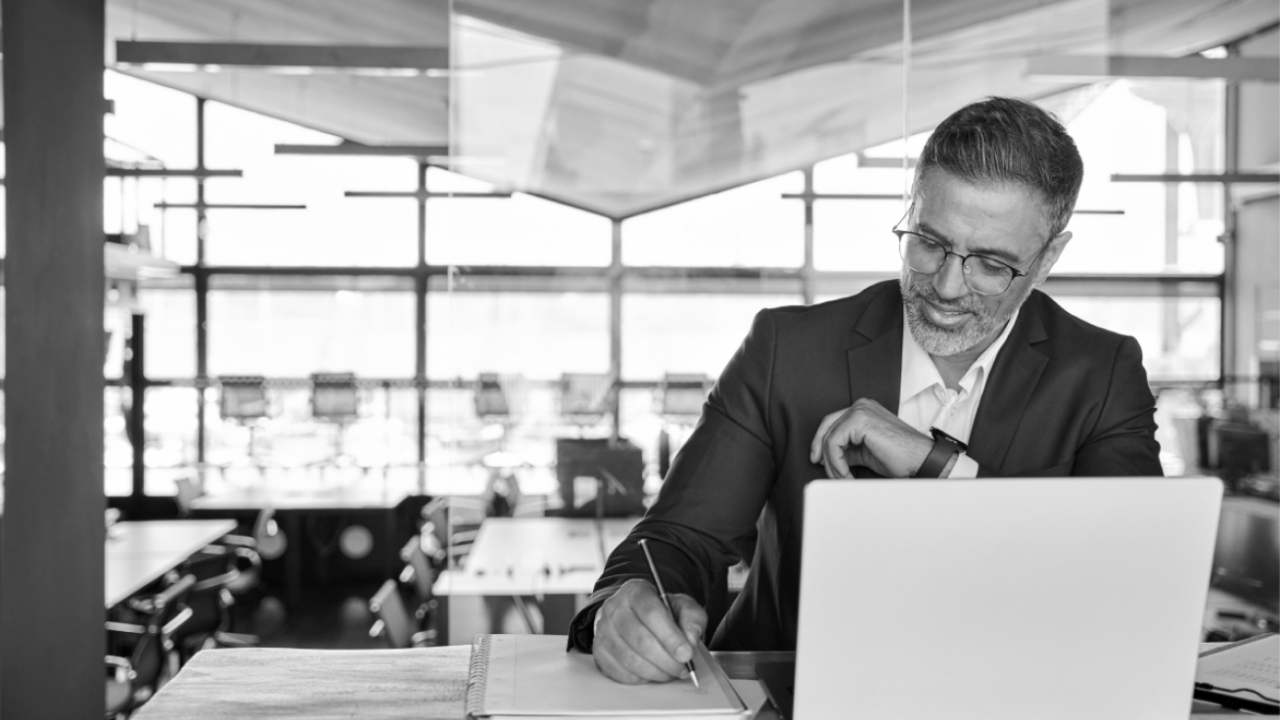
(949,280)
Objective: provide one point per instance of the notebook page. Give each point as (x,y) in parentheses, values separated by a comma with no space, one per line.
(1254,665)
(532,675)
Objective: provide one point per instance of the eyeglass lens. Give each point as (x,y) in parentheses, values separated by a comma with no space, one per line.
(982,275)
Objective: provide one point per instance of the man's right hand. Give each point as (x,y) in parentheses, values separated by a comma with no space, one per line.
(636,640)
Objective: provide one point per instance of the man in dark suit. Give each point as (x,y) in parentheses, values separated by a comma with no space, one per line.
(960,369)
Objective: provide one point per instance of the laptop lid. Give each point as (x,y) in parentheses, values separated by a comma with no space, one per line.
(1003,598)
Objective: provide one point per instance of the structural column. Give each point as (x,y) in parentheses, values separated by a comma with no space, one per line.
(51,541)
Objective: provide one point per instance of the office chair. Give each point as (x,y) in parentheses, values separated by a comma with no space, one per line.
(680,399)
(210,601)
(133,680)
(493,409)
(453,523)
(271,542)
(419,575)
(243,401)
(394,623)
(584,398)
(335,400)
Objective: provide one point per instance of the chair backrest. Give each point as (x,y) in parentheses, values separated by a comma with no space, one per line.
(187,492)
(397,625)
(272,543)
(334,397)
(213,569)
(161,609)
(585,394)
(490,399)
(244,397)
(424,576)
(684,393)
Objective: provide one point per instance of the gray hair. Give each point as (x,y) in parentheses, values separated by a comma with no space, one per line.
(1008,140)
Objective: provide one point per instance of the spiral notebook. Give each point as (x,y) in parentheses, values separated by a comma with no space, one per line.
(531,676)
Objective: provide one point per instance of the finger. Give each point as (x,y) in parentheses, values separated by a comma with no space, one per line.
(657,638)
(691,616)
(606,659)
(815,446)
(833,452)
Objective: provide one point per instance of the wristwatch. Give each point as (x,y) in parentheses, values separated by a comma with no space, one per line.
(945,447)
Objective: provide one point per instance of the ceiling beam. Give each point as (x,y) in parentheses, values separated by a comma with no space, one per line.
(1237,69)
(422,194)
(409,57)
(357,149)
(171,172)
(1198,178)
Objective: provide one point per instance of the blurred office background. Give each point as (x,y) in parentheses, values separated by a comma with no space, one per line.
(378,270)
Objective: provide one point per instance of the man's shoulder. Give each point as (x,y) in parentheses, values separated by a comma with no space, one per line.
(845,311)
(1065,329)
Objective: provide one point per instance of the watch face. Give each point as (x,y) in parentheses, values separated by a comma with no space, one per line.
(942,435)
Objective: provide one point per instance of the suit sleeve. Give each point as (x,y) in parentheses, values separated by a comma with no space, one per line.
(713,494)
(1122,440)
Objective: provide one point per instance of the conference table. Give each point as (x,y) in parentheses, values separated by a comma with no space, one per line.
(553,559)
(536,556)
(372,504)
(422,684)
(139,552)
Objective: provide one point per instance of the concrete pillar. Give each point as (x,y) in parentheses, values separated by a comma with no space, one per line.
(52,639)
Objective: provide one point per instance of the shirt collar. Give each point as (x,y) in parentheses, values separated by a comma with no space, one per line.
(919,373)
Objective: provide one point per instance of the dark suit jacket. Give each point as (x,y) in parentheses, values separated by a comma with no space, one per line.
(1064,398)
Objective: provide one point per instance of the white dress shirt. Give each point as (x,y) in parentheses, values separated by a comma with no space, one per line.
(925,401)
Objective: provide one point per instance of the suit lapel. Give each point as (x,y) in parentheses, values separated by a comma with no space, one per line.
(875,362)
(1014,376)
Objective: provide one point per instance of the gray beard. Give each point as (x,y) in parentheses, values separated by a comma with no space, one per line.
(941,341)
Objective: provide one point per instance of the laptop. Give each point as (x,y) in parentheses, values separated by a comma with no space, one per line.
(1000,598)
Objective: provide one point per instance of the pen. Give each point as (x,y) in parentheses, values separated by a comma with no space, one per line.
(653,569)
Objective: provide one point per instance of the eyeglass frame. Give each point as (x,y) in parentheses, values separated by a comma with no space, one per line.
(963,259)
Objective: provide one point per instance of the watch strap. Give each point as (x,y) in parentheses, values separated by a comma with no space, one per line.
(944,448)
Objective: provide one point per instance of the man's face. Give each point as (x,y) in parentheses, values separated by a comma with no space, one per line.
(1001,221)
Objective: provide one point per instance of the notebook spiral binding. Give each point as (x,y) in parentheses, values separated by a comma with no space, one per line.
(478,675)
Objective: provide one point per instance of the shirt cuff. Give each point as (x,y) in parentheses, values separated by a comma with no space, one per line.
(965,467)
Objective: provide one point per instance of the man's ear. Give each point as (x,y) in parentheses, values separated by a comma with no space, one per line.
(1051,255)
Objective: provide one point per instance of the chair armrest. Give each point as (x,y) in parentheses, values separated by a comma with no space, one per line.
(464,537)
(177,621)
(120,668)
(215,581)
(238,541)
(130,628)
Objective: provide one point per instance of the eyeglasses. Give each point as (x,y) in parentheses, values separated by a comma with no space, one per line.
(983,275)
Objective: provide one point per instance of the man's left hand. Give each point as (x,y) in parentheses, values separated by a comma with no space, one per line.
(870,436)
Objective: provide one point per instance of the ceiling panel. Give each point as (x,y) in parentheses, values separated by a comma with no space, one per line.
(622,106)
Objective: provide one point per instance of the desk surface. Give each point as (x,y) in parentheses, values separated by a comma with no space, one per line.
(425,684)
(136,553)
(536,555)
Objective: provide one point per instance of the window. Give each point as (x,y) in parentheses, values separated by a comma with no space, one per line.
(287,331)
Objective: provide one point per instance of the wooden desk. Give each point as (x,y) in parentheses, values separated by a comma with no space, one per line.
(426,684)
(260,683)
(136,553)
